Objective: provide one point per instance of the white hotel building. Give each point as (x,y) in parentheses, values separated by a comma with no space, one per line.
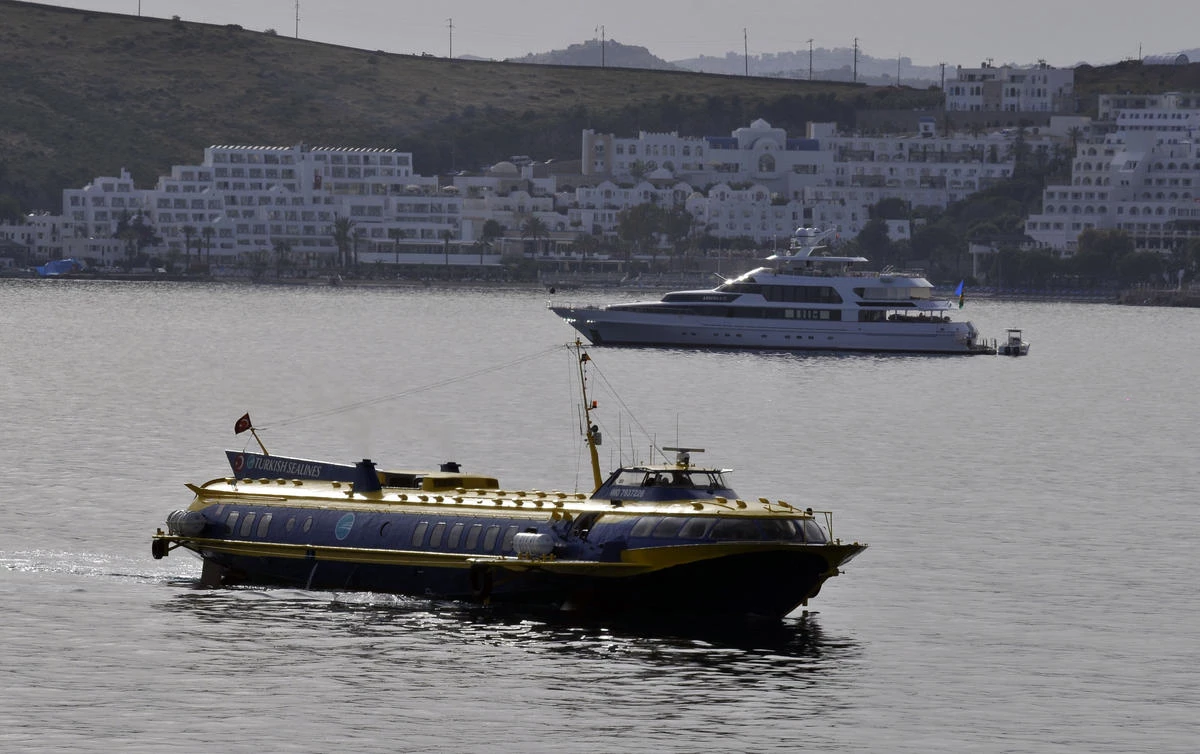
(1139,172)
(1042,88)
(761,184)
(244,203)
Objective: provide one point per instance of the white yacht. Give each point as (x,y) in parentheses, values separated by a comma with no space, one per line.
(803,300)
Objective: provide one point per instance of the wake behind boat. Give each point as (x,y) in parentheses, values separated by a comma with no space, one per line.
(801,301)
(662,539)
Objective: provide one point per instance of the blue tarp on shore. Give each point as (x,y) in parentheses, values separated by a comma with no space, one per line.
(59,267)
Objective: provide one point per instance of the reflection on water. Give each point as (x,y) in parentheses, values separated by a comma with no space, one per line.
(796,645)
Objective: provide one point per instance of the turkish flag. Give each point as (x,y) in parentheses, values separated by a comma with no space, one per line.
(242,424)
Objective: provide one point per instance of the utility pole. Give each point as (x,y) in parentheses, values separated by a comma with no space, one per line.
(600,29)
(810,60)
(450,25)
(943,65)
(297,19)
(746,49)
(856,60)
(898,68)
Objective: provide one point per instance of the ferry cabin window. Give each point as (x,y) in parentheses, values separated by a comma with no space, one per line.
(509,535)
(232,521)
(264,525)
(418,536)
(290,525)
(489,539)
(669,527)
(247,524)
(695,528)
(630,479)
(473,536)
(644,526)
(307,525)
(435,539)
(813,532)
(735,528)
(455,535)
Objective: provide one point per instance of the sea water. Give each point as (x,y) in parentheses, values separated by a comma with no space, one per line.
(1028,586)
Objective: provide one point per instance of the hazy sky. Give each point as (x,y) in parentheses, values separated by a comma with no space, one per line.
(1063,32)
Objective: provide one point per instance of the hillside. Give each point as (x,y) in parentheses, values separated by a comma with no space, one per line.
(88,93)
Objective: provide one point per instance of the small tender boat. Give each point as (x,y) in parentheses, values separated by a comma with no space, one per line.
(1013,345)
(663,539)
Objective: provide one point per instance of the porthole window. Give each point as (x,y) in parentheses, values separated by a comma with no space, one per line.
(473,536)
(418,537)
(435,539)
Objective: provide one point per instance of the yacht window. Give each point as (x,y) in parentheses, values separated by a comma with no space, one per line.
(455,535)
(418,537)
(669,527)
(473,536)
(435,538)
(644,526)
(489,539)
(695,528)
(735,528)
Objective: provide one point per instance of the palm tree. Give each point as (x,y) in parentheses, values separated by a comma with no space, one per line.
(188,232)
(394,234)
(446,235)
(534,228)
(341,230)
(207,232)
(490,232)
(282,250)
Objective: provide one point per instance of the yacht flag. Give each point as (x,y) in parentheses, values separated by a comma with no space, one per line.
(959,292)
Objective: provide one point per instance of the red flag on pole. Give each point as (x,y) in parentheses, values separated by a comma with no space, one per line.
(242,424)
